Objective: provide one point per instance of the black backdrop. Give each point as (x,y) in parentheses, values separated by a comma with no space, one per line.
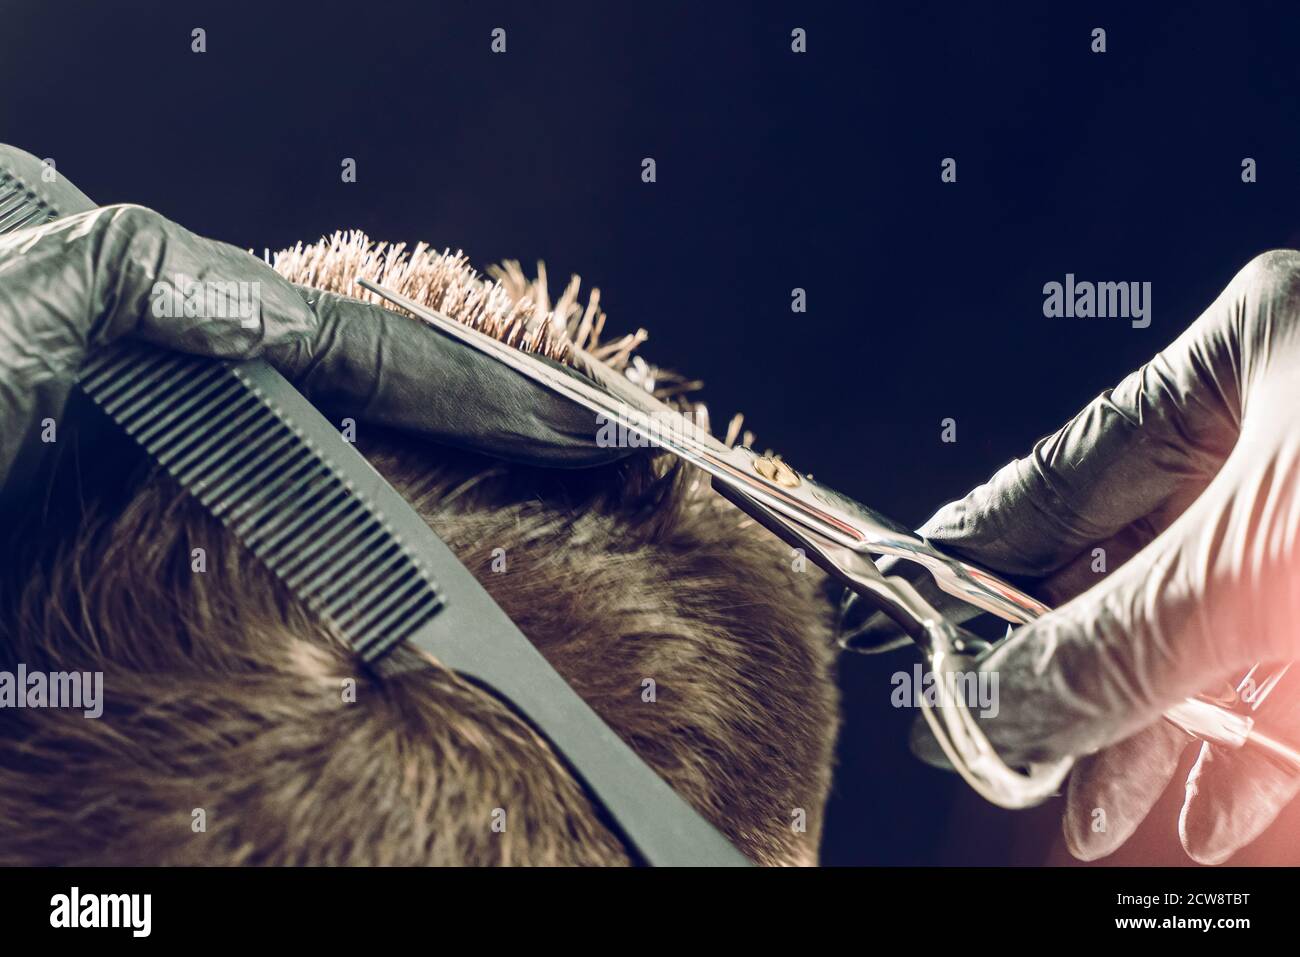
(775,170)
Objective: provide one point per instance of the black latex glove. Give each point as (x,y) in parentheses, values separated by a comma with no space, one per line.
(1186,478)
(76,284)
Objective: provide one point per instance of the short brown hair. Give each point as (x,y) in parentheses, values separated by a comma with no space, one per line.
(225,695)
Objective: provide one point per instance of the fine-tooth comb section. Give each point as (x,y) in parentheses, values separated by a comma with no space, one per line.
(230,447)
(19,206)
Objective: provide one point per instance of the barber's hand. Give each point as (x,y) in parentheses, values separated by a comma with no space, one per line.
(1188,473)
(88,279)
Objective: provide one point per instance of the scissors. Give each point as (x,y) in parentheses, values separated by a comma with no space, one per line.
(842,536)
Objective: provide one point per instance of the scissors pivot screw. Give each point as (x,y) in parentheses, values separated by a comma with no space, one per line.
(774,470)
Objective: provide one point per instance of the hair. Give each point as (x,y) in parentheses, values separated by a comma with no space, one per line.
(239,729)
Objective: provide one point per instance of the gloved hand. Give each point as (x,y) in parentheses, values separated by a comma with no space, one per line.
(1190,470)
(88,278)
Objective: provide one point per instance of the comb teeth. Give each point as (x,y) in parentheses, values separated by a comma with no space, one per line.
(19,206)
(230,447)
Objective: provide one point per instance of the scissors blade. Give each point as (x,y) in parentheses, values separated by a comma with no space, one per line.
(610,395)
(800,501)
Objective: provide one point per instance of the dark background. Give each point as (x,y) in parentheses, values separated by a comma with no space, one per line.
(775,170)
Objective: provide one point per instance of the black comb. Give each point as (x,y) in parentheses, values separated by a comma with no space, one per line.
(267,464)
(216,431)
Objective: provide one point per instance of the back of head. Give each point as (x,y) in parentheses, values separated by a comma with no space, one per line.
(238,729)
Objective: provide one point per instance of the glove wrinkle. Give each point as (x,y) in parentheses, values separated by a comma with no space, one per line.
(373,364)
